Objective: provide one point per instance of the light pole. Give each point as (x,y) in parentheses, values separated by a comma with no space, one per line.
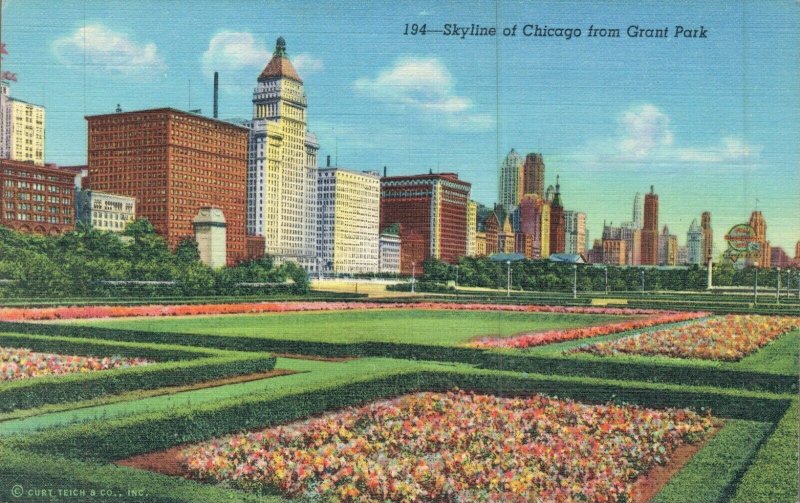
(413,275)
(788,282)
(606,268)
(574,281)
(456,276)
(508,279)
(778,287)
(755,283)
(642,282)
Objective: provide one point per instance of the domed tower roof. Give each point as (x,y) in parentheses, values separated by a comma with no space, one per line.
(279,66)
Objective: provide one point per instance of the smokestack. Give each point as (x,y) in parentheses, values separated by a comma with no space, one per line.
(216,94)
(329,161)
(384,171)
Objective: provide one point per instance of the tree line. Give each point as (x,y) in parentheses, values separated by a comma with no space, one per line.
(86,262)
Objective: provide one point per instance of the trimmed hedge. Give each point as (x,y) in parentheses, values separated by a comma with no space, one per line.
(605,368)
(205,365)
(131,435)
(772,475)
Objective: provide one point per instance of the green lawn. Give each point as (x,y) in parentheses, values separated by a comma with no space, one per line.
(440,328)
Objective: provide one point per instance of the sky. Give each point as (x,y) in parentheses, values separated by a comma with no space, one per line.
(712,123)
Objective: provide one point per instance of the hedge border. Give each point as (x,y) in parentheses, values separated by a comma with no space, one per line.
(195,365)
(124,437)
(604,368)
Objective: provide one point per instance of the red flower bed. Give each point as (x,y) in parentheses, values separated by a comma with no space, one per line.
(454,447)
(728,338)
(84,312)
(20,363)
(551,336)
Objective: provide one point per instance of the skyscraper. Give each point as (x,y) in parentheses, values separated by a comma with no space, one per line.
(174,163)
(509,180)
(637,211)
(759,224)
(282,166)
(21,129)
(432,210)
(533,175)
(707,237)
(667,247)
(472,228)
(348,219)
(557,222)
(574,232)
(650,229)
(694,243)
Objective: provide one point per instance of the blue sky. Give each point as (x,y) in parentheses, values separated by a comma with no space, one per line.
(712,123)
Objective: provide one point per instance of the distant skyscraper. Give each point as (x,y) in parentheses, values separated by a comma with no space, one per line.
(708,237)
(650,229)
(797,251)
(667,248)
(557,222)
(683,255)
(574,232)
(549,193)
(509,180)
(282,166)
(348,218)
(694,244)
(759,224)
(633,243)
(533,175)
(21,129)
(432,212)
(637,211)
(472,228)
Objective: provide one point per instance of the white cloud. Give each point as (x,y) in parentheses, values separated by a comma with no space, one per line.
(106,51)
(306,64)
(646,131)
(233,50)
(427,85)
(646,137)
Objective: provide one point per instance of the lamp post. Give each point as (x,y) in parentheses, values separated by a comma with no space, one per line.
(508,281)
(606,268)
(788,282)
(642,282)
(456,276)
(574,281)
(778,287)
(755,283)
(413,276)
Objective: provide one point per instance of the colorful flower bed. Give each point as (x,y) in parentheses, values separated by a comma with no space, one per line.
(454,447)
(20,363)
(727,338)
(550,336)
(84,312)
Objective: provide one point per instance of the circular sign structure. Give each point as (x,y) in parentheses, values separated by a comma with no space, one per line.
(741,238)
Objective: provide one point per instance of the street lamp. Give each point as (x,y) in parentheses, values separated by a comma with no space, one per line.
(574,281)
(508,282)
(642,282)
(413,275)
(778,287)
(755,283)
(456,276)
(606,268)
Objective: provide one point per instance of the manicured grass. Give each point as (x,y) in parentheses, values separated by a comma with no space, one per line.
(709,476)
(440,328)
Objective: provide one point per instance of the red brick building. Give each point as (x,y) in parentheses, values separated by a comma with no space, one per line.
(649,254)
(173,163)
(432,206)
(37,199)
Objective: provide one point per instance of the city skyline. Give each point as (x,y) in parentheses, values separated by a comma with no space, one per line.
(707,122)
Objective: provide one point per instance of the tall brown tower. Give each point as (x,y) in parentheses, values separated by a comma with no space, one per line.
(707,240)
(557,222)
(533,175)
(759,224)
(650,229)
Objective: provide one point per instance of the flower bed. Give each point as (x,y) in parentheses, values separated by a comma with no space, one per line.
(20,363)
(84,312)
(728,338)
(454,447)
(550,336)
